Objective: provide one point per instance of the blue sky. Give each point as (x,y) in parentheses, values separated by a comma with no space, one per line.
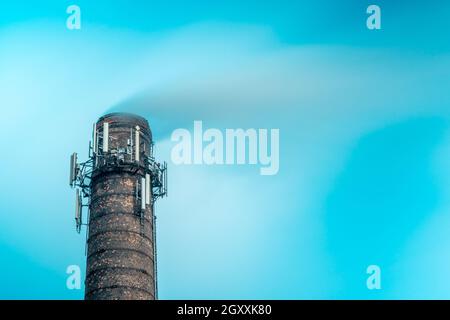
(364,128)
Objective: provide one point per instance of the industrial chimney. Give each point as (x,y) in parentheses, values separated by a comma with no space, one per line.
(117,187)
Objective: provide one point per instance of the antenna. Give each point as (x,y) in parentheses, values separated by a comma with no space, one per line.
(147,189)
(73,169)
(94,139)
(105,136)
(165,178)
(137,144)
(78,210)
(143,193)
(130,143)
